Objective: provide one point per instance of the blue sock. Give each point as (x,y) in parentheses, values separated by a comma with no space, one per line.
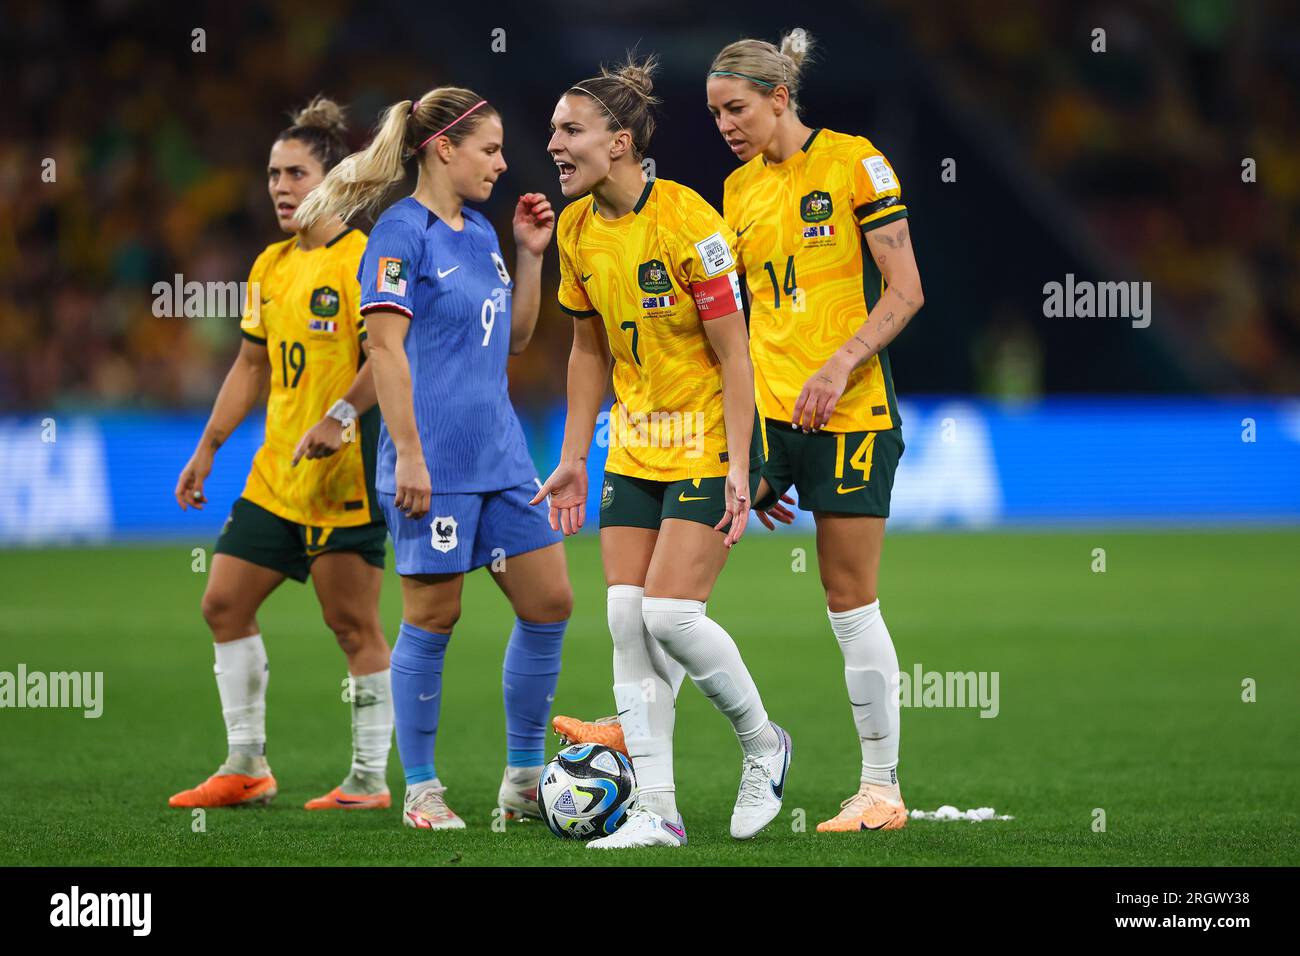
(416,677)
(528,678)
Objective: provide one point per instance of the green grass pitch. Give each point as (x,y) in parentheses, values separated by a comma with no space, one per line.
(1119,690)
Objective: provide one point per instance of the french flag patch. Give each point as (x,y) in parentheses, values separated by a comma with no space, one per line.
(659,302)
(320,325)
(812,232)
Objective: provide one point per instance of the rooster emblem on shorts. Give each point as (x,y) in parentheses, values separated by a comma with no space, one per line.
(443,536)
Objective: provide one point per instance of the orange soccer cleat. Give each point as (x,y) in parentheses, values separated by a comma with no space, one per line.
(336,799)
(227,790)
(873,807)
(607,731)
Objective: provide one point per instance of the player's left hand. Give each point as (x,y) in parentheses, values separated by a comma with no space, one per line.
(534,222)
(737,495)
(322,440)
(816,402)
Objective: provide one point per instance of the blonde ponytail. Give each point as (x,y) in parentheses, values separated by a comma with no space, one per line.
(359,182)
(362,179)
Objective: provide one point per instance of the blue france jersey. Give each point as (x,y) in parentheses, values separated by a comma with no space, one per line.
(455,288)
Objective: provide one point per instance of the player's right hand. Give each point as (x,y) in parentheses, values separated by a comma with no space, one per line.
(567,487)
(778,511)
(189,487)
(413,486)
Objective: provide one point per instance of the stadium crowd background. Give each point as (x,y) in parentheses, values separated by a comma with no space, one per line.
(1125,165)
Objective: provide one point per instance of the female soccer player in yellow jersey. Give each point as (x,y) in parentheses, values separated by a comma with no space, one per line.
(647,271)
(824,247)
(303,340)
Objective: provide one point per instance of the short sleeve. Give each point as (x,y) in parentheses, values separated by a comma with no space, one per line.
(730,212)
(350,292)
(877,193)
(572,294)
(706,261)
(251,324)
(387,272)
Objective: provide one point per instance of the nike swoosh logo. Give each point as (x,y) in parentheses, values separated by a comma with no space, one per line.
(250,786)
(550,698)
(264,301)
(430,697)
(678,831)
(682,497)
(741,232)
(443,275)
(778,789)
(841,490)
(587,276)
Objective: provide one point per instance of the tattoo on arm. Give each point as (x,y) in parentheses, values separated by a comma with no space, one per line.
(897,240)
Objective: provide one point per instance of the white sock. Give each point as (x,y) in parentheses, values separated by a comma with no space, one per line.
(645,695)
(242,673)
(713,661)
(870,673)
(372,723)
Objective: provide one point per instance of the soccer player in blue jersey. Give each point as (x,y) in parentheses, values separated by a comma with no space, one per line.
(454,476)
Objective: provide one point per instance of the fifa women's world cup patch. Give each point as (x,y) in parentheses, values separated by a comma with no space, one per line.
(392,276)
(717,297)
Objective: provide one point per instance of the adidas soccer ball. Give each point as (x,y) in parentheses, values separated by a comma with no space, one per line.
(585,791)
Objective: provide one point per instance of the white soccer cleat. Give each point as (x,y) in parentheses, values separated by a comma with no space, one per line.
(762,788)
(425,808)
(517,797)
(643,827)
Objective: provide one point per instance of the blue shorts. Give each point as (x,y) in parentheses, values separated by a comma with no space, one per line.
(462,532)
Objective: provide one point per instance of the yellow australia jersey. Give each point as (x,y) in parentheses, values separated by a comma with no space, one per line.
(304,307)
(801,228)
(653,277)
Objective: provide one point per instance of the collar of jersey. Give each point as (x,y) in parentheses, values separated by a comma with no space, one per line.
(298,248)
(645,197)
(802,151)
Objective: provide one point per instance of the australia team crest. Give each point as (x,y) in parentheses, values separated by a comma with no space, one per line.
(816,206)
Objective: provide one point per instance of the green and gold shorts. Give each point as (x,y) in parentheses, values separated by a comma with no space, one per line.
(845,472)
(264,538)
(645,503)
